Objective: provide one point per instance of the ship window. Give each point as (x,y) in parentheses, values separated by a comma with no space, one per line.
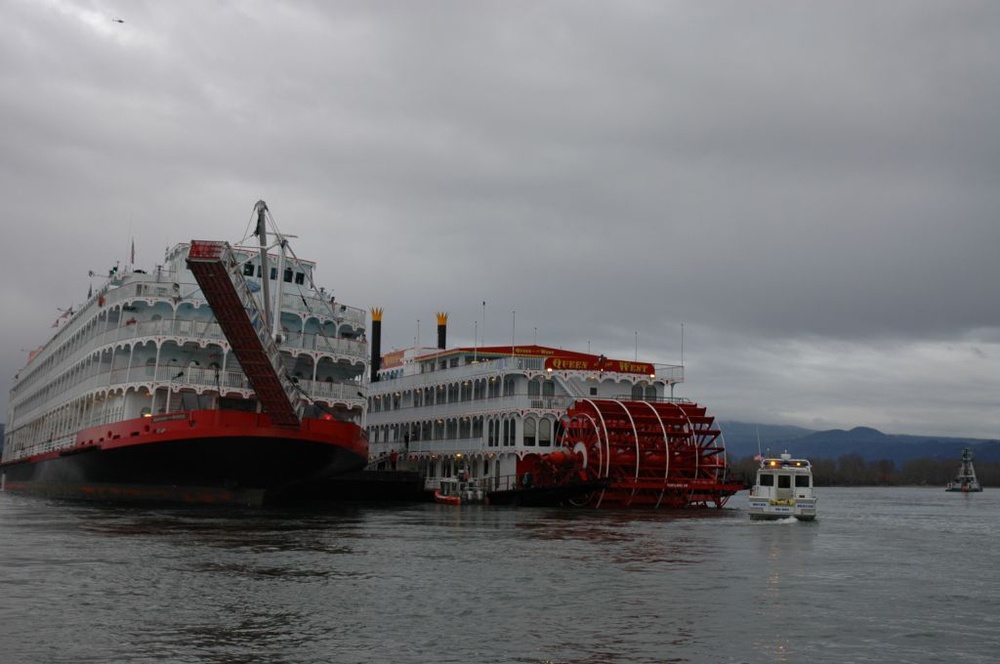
(766,479)
(545,433)
(529,432)
(802,481)
(784,481)
(300,278)
(637,392)
(593,391)
(248,270)
(274,274)
(288,275)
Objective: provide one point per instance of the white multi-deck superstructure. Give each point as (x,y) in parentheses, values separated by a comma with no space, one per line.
(145,359)
(509,418)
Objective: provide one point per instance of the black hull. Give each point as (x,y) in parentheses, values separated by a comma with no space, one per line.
(552,496)
(228,470)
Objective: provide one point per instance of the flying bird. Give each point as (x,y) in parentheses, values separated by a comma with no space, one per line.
(117,20)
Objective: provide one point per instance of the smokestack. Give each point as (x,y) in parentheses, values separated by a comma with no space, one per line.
(376,342)
(442,318)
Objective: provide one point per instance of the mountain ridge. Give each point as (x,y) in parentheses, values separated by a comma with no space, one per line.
(741,439)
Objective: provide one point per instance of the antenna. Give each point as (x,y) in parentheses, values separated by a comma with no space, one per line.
(513,319)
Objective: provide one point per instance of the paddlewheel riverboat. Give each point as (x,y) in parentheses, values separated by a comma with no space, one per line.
(536,425)
(223,375)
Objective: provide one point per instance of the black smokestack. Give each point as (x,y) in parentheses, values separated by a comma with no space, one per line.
(442,329)
(376,342)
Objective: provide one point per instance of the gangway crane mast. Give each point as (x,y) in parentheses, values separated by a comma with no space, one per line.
(245,325)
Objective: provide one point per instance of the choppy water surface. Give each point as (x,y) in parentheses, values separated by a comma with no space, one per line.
(884,575)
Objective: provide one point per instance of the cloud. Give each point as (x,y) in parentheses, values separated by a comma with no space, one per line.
(807,189)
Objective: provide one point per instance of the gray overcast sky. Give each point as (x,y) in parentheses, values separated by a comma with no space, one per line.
(808,189)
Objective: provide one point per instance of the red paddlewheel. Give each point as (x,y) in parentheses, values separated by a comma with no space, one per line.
(551,469)
(656,454)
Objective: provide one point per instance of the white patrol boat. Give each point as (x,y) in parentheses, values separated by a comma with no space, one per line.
(784,488)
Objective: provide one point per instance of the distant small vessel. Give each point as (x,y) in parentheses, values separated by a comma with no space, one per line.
(784,488)
(965,481)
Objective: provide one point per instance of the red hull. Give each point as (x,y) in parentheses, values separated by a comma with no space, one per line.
(196,456)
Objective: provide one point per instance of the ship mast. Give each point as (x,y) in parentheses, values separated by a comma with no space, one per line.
(265,268)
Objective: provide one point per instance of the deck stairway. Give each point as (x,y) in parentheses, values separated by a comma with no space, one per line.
(215,268)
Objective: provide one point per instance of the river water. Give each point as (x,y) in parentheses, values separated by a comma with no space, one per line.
(883,575)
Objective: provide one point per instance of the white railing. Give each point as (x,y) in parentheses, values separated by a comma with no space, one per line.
(668,372)
(466,372)
(185,331)
(201,379)
(468,408)
(187,328)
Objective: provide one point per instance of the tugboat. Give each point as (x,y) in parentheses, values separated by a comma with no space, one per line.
(784,488)
(965,481)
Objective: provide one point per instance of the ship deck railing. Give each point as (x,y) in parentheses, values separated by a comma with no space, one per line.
(188,330)
(380,414)
(468,408)
(463,445)
(123,330)
(514,364)
(177,378)
(162,285)
(211,330)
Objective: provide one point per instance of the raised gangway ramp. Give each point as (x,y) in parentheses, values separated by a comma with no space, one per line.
(218,273)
